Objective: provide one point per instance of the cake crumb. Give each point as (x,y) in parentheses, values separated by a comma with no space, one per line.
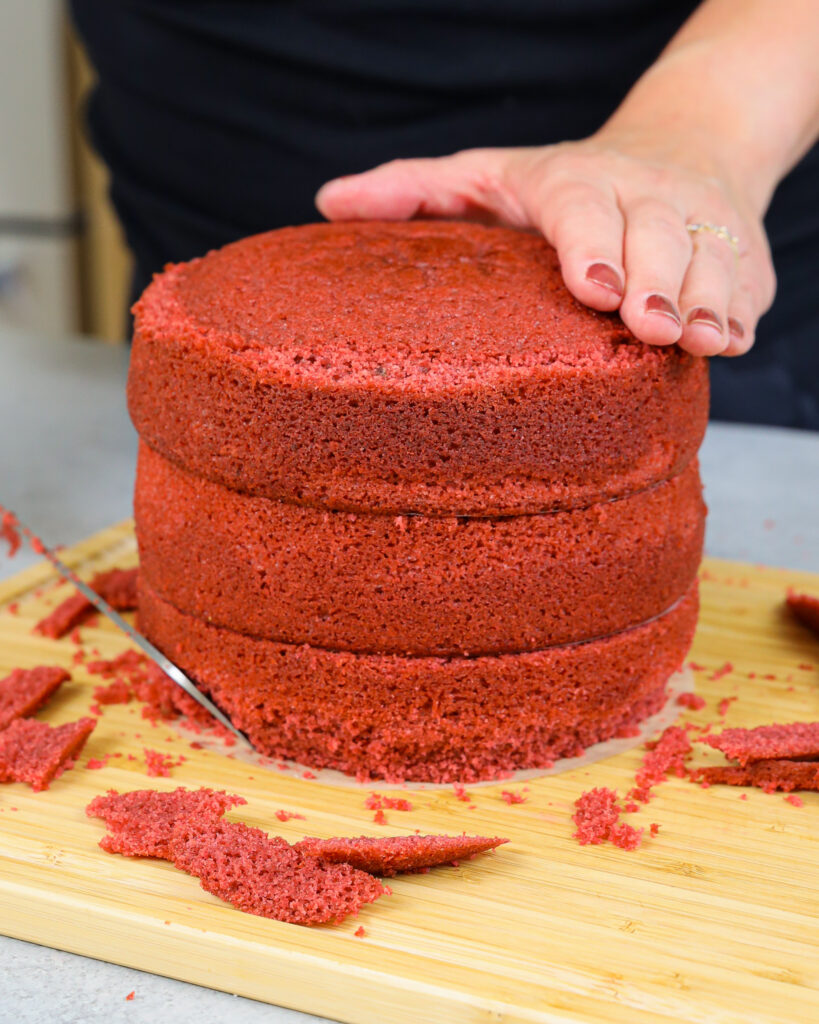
(359,932)
(157,763)
(510,797)
(691,700)
(288,815)
(665,756)
(130,996)
(597,813)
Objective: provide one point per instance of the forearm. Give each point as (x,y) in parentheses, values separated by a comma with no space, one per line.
(735,94)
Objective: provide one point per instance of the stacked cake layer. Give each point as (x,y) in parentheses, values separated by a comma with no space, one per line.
(404,507)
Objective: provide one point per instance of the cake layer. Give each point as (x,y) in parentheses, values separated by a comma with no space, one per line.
(414,584)
(426,719)
(426,367)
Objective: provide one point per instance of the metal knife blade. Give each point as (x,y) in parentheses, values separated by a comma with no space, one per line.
(172,671)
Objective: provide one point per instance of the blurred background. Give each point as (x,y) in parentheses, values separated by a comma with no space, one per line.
(64,267)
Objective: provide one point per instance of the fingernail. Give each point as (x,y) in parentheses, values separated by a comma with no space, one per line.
(605,275)
(664,307)
(704,316)
(736,328)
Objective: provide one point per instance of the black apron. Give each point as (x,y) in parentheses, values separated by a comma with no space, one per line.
(220,119)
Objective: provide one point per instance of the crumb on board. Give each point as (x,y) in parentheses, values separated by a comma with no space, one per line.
(692,701)
(805,608)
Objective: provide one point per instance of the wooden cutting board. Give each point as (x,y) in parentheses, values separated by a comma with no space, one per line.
(714,920)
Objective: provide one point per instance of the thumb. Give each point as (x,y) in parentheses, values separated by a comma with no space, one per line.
(466,185)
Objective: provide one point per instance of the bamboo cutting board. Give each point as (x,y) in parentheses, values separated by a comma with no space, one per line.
(714,920)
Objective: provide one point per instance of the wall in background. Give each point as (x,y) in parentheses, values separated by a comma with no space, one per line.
(63,265)
(104,269)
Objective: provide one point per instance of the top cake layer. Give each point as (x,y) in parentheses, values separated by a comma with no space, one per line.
(428,367)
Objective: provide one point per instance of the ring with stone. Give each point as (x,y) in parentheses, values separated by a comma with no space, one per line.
(718,230)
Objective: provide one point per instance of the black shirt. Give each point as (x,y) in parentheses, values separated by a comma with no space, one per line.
(219,119)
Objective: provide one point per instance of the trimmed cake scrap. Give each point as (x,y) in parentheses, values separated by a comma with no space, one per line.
(794,741)
(770,775)
(37,753)
(397,854)
(806,609)
(140,822)
(264,875)
(25,690)
(117,586)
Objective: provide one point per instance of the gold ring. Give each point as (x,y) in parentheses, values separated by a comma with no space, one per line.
(718,230)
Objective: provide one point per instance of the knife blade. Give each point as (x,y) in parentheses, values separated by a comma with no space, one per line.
(172,671)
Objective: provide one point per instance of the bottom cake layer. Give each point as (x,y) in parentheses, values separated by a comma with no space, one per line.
(426,719)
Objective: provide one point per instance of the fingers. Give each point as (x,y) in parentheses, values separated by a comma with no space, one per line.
(753,293)
(585,225)
(620,245)
(657,255)
(467,184)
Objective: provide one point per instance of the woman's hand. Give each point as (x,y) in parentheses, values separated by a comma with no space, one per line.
(616,209)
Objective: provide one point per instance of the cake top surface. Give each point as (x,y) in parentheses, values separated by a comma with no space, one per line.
(383,303)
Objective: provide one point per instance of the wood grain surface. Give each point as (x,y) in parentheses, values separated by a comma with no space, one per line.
(716,919)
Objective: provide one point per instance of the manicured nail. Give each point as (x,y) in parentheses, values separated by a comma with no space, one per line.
(706,317)
(664,307)
(736,328)
(605,275)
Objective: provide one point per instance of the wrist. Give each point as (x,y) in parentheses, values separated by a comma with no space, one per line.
(687,109)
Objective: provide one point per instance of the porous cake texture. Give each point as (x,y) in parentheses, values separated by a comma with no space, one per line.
(424,718)
(407,509)
(423,367)
(415,584)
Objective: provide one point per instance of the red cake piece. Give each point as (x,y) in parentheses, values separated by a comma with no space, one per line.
(769,775)
(425,367)
(340,581)
(666,756)
(264,875)
(25,690)
(117,586)
(806,608)
(693,701)
(397,854)
(65,617)
(140,823)
(597,812)
(793,741)
(36,753)
(9,532)
(626,836)
(444,720)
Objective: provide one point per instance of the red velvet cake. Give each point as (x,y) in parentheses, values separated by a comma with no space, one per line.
(424,718)
(404,507)
(415,584)
(422,367)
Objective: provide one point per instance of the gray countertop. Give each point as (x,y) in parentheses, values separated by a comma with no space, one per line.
(66,465)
